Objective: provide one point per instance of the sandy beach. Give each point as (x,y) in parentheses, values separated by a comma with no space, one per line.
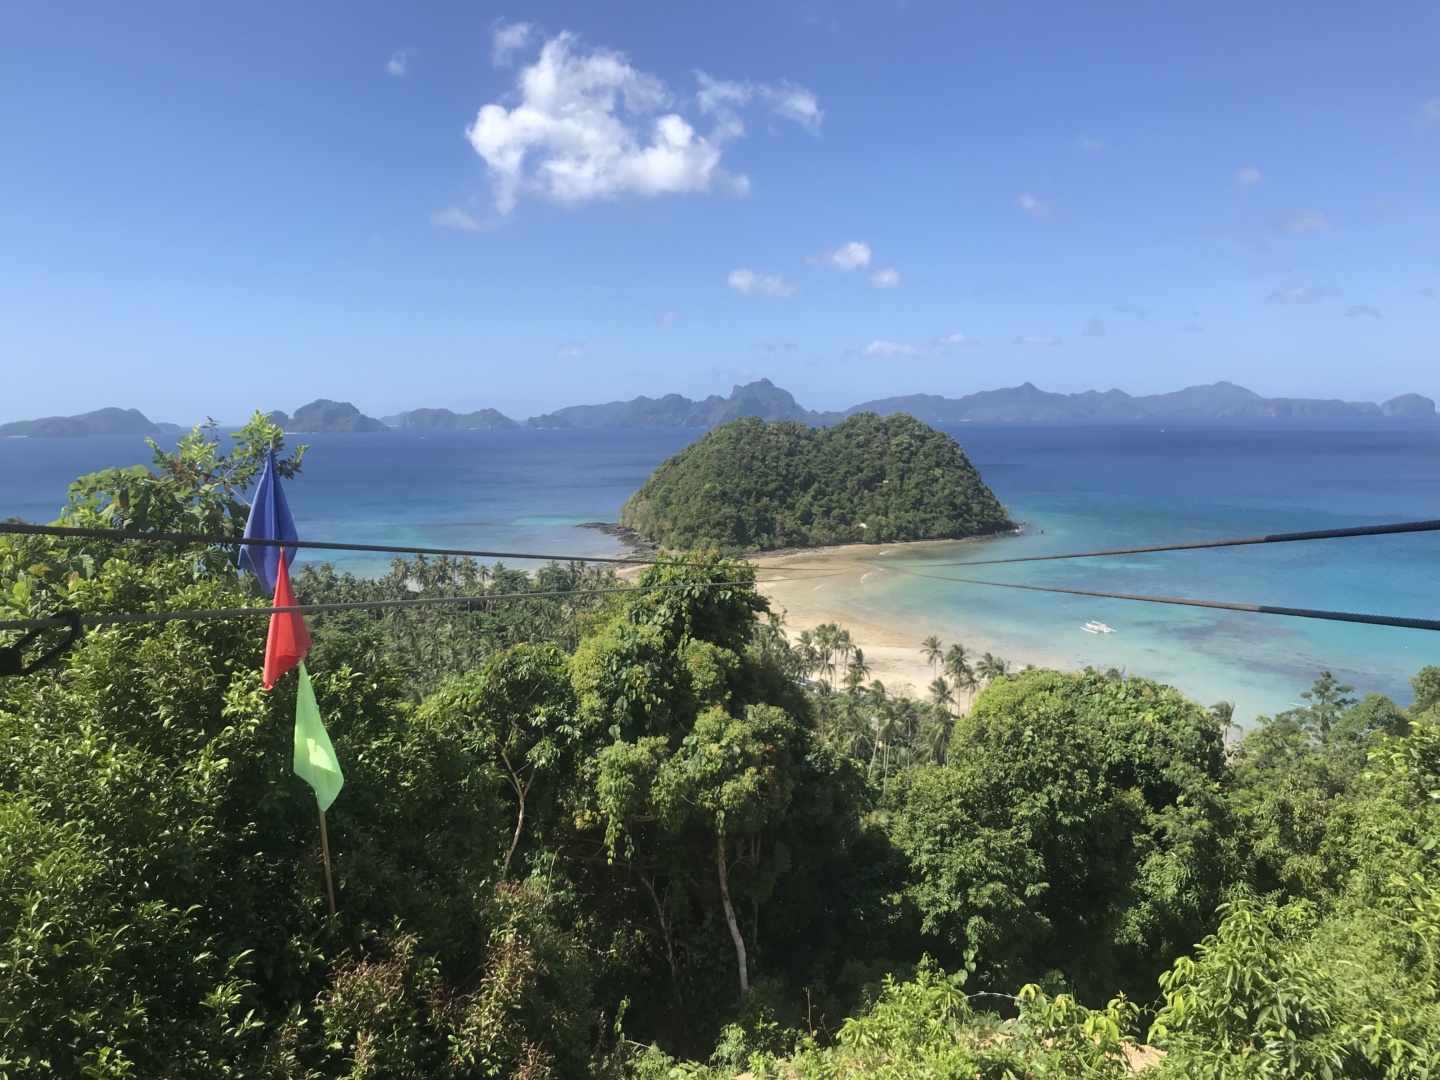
(819,585)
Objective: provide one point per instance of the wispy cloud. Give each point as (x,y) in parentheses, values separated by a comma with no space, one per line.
(668,318)
(886,278)
(1193,328)
(749,282)
(850,255)
(1036,208)
(775,346)
(452,217)
(1089,144)
(1094,328)
(1430,110)
(1303,221)
(399,62)
(1295,294)
(721,97)
(886,350)
(572,348)
(1355,311)
(1139,312)
(1038,339)
(1247,178)
(589,125)
(507,39)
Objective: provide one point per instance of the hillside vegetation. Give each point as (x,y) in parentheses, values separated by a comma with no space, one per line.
(752,486)
(640,834)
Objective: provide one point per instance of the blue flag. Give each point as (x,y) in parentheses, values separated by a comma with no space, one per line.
(269,520)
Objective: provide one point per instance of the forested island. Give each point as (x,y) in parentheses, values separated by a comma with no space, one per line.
(749,485)
(649,832)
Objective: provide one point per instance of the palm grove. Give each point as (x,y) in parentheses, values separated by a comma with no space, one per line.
(648,834)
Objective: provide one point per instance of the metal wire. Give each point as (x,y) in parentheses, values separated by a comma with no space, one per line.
(27,529)
(1239,541)
(1263,609)
(349,605)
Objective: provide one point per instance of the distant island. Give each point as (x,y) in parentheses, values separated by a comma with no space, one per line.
(111,421)
(323,415)
(763,399)
(749,485)
(1217,401)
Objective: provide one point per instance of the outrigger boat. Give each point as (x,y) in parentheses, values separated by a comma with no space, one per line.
(1098,627)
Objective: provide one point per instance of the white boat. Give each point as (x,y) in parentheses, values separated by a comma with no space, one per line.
(1098,627)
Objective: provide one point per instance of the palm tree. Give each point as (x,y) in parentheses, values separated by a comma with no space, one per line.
(940,693)
(957,664)
(856,672)
(933,652)
(937,740)
(887,728)
(991,667)
(843,647)
(1224,711)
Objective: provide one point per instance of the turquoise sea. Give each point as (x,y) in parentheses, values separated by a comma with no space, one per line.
(1076,486)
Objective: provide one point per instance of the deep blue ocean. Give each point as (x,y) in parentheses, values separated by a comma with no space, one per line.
(1077,486)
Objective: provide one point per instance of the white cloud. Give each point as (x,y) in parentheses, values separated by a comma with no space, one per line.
(400,61)
(590,126)
(721,97)
(751,283)
(572,348)
(1303,221)
(1295,294)
(1355,310)
(1247,177)
(452,217)
(1037,339)
(848,256)
(668,318)
(507,39)
(1094,328)
(886,278)
(887,350)
(1431,109)
(949,341)
(1089,144)
(1033,206)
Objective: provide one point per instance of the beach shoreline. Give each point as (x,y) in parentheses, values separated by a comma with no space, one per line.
(812,586)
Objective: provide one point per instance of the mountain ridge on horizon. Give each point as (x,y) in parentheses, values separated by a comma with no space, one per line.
(762,398)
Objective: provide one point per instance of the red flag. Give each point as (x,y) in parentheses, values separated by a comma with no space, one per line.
(289,637)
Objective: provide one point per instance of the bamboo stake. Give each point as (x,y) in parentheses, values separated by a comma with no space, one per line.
(325,852)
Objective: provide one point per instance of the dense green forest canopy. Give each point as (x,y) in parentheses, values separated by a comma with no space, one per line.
(749,485)
(650,835)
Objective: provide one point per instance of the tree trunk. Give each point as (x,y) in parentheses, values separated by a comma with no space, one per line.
(520,793)
(730,914)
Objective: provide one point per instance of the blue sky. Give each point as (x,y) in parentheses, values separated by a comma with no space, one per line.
(212,207)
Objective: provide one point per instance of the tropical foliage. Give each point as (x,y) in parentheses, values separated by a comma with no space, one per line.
(651,833)
(749,485)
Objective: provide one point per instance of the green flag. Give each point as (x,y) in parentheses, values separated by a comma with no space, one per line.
(315,761)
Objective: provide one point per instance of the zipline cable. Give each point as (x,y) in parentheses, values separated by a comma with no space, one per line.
(27,529)
(207,540)
(348,605)
(1262,609)
(1237,541)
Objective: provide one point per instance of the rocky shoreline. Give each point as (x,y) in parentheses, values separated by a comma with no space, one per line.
(636,543)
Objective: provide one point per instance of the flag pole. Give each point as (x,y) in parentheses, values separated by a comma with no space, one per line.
(325,853)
